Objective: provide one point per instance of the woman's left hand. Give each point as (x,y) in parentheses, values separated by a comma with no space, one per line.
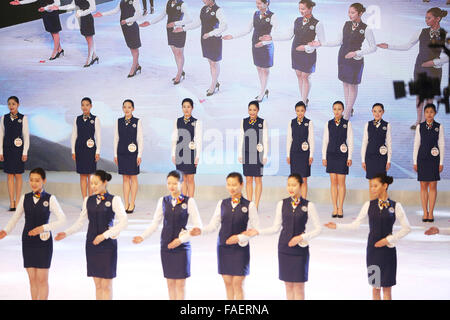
(295,241)
(349,163)
(98,239)
(381,243)
(205,36)
(428,64)
(259,44)
(441,167)
(97,157)
(36,231)
(350,55)
(175,243)
(232,240)
(139,160)
(122,22)
(24,158)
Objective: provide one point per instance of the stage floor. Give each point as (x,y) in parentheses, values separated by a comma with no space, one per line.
(337,261)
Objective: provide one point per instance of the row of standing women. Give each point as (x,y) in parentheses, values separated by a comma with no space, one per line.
(253,150)
(307,33)
(237,221)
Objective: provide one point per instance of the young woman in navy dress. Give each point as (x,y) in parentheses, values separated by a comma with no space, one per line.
(428,159)
(86,142)
(177,15)
(176,212)
(337,150)
(37,243)
(128,148)
(213,24)
(187,146)
(130,11)
(300,145)
(84,9)
(291,216)
(428,60)
(234,216)
(51,22)
(262,24)
(14,145)
(381,255)
(253,149)
(376,149)
(101,239)
(304,30)
(351,56)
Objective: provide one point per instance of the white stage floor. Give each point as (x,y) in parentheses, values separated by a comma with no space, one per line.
(337,263)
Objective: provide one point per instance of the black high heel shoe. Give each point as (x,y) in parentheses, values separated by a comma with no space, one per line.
(334,215)
(91,63)
(266,94)
(211,93)
(130,211)
(139,68)
(57,55)
(14,208)
(183,75)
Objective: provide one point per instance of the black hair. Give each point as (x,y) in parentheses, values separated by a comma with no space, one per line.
(297,177)
(14,98)
(308,3)
(358,7)
(300,104)
(236,175)
(103,175)
(428,106)
(176,174)
(87,99)
(130,101)
(39,171)
(339,102)
(378,104)
(188,100)
(437,12)
(255,103)
(383,178)
(266,2)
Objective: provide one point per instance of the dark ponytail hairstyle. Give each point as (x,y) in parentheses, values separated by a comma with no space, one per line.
(297,177)
(39,171)
(358,7)
(266,2)
(437,12)
(339,102)
(176,174)
(384,179)
(300,104)
(103,175)
(130,101)
(14,98)
(255,103)
(379,105)
(430,106)
(236,175)
(308,3)
(188,100)
(86,99)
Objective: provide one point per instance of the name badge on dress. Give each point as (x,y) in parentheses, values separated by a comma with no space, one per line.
(383,150)
(132,147)
(434,152)
(244,209)
(18,142)
(192,145)
(260,147)
(344,148)
(305,146)
(19,120)
(90,143)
